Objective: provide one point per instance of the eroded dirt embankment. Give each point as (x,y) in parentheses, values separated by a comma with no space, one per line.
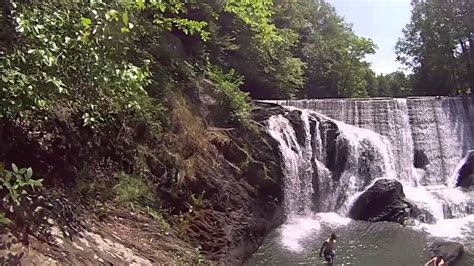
(217,189)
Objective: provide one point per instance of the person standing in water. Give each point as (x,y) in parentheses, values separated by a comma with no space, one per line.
(329,249)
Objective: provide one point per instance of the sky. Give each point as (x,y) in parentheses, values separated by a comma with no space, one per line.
(380,20)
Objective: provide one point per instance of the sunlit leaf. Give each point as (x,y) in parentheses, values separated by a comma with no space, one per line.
(14,168)
(125,17)
(86,22)
(29,173)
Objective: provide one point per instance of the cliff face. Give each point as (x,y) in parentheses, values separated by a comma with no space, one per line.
(214,191)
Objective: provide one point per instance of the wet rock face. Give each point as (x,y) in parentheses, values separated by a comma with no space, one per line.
(262,111)
(337,150)
(366,168)
(294,117)
(420,159)
(465,175)
(246,198)
(384,201)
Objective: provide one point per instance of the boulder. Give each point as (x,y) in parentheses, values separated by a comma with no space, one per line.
(420,160)
(465,174)
(261,111)
(451,251)
(384,201)
(423,215)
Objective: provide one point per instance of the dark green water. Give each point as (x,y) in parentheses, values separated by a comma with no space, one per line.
(359,243)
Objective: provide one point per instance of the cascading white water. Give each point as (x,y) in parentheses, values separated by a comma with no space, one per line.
(439,131)
(317,151)
(295,164)
(328,163)
(442,129)
(358,156)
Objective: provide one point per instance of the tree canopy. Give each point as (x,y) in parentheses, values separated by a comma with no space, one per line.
(115,54)
(438,46)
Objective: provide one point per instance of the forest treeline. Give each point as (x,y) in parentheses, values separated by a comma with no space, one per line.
(438,47)
(279,49)
(276,49)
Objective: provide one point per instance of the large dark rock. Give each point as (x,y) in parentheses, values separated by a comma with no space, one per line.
(384,201)
(420,160)
(294,116)
(465,175)
(451,251)
(261,111)
(337,148)
(421,214)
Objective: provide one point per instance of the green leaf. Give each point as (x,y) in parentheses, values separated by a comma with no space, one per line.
(140,4)
(8,177)
(4,220)
(14,168)
(162,8)
(112,14)
(86,22)
(29,173)
(124,30)
(125,18)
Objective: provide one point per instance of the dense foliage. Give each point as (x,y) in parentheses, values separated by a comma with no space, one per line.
(438,46)
(113,55)
(332,53)
(395,84)
(117,54)
(82,55)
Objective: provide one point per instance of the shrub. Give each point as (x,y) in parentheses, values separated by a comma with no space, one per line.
(231,97)
(15,186)
(17,209)
(136,193)
(131,189)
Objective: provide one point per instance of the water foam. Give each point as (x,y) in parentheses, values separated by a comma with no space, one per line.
(454,229)
(296,229)
(333,219)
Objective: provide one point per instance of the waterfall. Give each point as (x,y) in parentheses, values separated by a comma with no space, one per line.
(435,133)
(327,162)
(334,149)
(296,165)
